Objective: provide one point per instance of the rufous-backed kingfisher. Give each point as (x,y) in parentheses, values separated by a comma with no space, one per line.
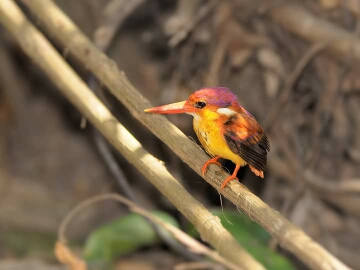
(224,128)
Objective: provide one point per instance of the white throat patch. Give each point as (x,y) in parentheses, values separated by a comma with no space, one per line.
(226,111)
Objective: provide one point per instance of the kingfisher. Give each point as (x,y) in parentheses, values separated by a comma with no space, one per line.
(224,128)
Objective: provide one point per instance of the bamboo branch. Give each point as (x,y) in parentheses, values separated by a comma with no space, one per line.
(50,61)
(114,15)
(289,236)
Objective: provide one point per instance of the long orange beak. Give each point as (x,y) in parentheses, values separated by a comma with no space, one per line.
(174,108)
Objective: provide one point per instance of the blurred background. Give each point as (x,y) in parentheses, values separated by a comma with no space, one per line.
(306,97)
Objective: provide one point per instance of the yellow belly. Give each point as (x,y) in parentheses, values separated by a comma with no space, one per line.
(213,142)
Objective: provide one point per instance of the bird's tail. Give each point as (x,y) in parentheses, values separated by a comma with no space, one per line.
(256,171)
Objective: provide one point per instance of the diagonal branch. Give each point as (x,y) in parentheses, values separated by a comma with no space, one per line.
(192,244)
(43,54)
(289,236)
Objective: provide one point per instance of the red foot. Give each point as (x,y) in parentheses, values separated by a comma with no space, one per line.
(231,177)
(210,161)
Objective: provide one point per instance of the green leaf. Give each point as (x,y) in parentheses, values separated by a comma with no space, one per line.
(27,244)
(253,238)
(122,236)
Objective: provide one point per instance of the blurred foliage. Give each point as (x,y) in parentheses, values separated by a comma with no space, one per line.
(252,237)
(123,236)
(132,232)
(25,244)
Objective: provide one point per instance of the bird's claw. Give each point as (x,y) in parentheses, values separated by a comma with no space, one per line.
(227,180)
(210,161)
(231,177)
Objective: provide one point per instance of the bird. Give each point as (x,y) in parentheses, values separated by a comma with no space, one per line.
(224,128)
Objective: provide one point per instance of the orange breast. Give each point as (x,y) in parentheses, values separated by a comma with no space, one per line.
(209,134)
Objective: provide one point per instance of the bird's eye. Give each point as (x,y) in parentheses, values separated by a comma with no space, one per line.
(200,104)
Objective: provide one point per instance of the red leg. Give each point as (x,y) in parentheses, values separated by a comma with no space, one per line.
(210,161)
(231,177)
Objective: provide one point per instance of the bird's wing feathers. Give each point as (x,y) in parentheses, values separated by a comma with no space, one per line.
(245,137)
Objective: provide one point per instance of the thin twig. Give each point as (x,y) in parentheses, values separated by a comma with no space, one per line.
(282,101)
(212,77)
(196,266)
(188,27)
(115,13)
(50,61)
(346,196)
(290,237)
(310,27)
(118,174)
(332,186)
(112,164)
(325,109)
(185,239)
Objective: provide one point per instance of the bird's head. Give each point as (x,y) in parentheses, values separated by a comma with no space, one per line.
(206,101)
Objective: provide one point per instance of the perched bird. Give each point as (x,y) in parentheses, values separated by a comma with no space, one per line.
(224,128)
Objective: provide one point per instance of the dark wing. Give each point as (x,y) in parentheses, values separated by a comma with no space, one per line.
(245,137)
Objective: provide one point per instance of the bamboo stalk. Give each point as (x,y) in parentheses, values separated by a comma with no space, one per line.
(39,49)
